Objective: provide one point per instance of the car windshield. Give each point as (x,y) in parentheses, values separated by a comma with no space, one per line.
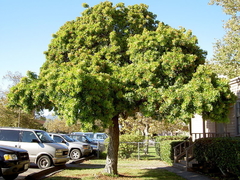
(87,139)
(89,135)
(67,138)
(44,137)
(82,138)
(101,136)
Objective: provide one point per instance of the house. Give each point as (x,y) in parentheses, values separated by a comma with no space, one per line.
(200,128)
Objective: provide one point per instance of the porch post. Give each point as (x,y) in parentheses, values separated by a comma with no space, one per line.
(190,128)
(204,130)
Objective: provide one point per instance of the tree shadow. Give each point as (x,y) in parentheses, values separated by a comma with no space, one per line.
(87,166)
(159,173)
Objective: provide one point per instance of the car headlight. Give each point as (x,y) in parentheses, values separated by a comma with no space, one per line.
(8,157)
(86,147)
(59,152)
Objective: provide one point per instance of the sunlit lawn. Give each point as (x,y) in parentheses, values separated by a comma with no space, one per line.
(127,169)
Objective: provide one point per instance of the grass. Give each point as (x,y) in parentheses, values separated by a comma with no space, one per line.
(127,169)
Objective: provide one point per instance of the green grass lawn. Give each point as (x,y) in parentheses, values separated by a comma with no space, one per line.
(127,169)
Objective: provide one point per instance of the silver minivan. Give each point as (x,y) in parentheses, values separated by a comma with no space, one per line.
(42,150)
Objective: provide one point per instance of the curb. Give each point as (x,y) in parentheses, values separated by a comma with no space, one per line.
(44,172)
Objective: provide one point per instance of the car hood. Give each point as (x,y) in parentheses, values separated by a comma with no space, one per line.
(9,149)
(57,146)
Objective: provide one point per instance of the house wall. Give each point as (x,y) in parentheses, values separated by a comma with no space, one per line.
(210,127)
(232,125)
(197,127)
(197,124)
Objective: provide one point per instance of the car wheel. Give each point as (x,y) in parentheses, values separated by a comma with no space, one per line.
(75,154)
(44,162)
(10,177)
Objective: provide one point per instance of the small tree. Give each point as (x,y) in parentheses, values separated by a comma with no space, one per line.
(227,50)
(114,61)
(59,126)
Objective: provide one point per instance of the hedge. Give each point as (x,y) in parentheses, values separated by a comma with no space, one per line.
(164,146)
(222,153)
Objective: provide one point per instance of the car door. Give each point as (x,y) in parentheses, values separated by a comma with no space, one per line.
(60,140)
(29,141)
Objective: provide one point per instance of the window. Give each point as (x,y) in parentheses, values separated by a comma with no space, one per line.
(238,116)
(44,137)
(28,136)
(58,139)
(9,135)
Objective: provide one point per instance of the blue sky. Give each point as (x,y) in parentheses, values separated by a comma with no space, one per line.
(27,26)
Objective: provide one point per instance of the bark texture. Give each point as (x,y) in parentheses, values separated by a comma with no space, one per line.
(112,153)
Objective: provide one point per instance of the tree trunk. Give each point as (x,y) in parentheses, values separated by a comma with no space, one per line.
(112,152)
(146,129)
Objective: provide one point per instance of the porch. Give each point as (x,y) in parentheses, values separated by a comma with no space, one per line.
(183,153)
(195,136)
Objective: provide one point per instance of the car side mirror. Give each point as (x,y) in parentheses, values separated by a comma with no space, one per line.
(35,140)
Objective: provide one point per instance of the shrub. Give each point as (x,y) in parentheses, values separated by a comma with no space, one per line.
(164,146)
(166,150)
(221,153)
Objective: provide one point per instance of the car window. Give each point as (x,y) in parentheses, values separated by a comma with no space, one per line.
(58,139)
(9,135)
(44,137)
(101,136)
(28,136)
(81,138)
(67,138)
(89,135)
(87,139)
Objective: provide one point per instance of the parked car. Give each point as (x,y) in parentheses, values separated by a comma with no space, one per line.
(83,138)
(100,137)
(96,137)
(13,161)
(41,148)
(76,149)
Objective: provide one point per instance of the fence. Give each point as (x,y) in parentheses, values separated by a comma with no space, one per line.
(138,150)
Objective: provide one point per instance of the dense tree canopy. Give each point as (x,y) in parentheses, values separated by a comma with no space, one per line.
(114,61)
(227,50)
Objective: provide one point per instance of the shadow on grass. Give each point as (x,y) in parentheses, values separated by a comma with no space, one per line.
(153,174)
(63,178)
(158,173)
(88,166)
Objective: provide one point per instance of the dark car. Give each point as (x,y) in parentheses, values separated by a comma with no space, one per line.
(13,161)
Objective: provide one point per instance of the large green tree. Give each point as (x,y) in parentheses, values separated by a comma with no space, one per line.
(226,60)
(114,61)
